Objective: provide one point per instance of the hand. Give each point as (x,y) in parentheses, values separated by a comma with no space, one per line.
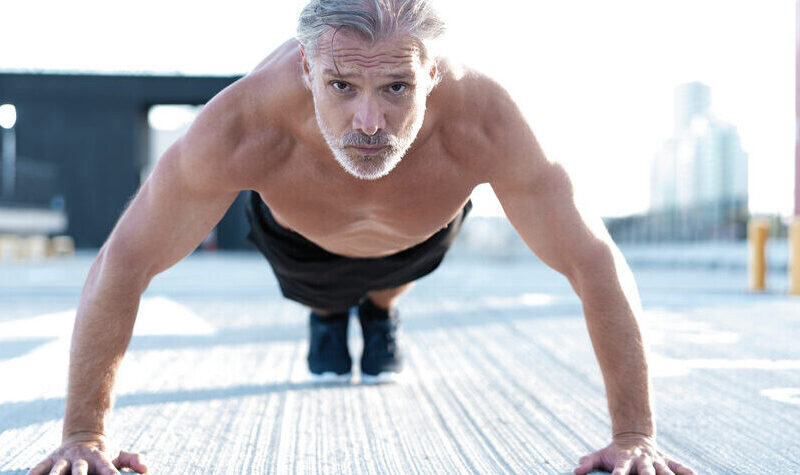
(632,454)
(85,454)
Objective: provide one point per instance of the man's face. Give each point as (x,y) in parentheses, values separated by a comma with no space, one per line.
(369,99)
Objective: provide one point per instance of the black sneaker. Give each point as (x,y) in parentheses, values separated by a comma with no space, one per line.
(328,358)
(381,360)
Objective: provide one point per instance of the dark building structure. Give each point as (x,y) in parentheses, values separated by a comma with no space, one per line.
(82,142)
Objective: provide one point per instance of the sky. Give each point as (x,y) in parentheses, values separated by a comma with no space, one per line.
(595,79)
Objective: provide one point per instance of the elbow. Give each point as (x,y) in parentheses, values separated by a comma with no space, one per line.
(590,267)
(603,275)
(123,268)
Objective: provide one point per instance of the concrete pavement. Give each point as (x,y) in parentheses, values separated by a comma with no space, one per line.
(501,375)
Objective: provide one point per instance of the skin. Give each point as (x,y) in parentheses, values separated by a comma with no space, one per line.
(263,133)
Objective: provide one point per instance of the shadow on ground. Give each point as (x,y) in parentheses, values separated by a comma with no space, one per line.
(16,348)
(23,414)
(419,322)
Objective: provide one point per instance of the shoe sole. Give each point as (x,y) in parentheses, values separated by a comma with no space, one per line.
(329,377)
(380,378)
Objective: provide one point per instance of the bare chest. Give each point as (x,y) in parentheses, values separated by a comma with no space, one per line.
(361,218)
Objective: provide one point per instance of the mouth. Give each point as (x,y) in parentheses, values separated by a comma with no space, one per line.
(369,150)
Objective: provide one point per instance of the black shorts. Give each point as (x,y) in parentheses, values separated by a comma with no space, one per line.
(317,278)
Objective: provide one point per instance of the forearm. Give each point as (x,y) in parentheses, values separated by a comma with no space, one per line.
(611,305)
(103,327)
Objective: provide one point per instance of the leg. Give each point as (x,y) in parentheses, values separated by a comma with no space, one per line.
(320,311)
(387,298)
(381,359)
(328,356)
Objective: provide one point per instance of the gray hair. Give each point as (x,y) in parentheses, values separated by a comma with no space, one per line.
(372,19)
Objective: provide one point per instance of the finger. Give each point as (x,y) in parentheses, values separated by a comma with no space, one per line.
(622,468)
(586,464)
(41,468)
(679,469)
(662,469)
(130,460)
(105,467)
(80,468)
(60,468)
(645,467)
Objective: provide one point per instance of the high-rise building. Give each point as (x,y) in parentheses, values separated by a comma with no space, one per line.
(691,100)
(700,174)
(703,161)
(698,179)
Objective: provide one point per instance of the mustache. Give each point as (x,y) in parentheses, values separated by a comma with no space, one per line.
(360,138)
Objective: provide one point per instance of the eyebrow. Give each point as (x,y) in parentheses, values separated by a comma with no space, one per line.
(331,72)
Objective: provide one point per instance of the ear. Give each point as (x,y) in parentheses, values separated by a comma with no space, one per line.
(433,71)
(306,68)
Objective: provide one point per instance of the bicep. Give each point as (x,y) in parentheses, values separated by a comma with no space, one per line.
(175,209)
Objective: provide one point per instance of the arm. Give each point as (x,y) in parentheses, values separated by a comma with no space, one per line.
(179,204)
(538,199)
(167,220)
(548,220)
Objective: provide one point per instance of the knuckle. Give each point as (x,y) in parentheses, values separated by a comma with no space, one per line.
(57,468)
(80,467)
(73,453)
(662,469)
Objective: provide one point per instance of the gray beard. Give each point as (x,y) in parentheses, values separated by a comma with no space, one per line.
(369,167)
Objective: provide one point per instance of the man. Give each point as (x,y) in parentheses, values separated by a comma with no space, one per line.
(362,148)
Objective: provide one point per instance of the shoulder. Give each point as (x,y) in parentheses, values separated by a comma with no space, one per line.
(245,129)
(479,118)
(471,88)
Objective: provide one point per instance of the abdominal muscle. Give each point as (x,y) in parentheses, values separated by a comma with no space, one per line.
(364,238)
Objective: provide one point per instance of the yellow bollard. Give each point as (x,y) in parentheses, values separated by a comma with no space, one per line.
(38,247)
(794,256)
(757,234)
(62,245)
(9,246)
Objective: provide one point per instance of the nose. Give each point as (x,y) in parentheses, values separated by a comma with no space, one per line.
(368,117)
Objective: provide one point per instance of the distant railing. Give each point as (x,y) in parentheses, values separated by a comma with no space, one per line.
(716,220)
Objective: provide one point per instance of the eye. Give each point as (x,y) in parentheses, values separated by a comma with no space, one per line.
(398,88)
(340,86)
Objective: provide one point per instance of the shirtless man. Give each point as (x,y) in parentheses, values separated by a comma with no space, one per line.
(329,132)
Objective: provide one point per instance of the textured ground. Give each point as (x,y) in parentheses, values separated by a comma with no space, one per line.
(501,376)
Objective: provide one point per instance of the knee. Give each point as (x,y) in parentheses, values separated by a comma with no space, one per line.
(324,312)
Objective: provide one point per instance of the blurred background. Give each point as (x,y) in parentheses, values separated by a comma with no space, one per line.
(675,119)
